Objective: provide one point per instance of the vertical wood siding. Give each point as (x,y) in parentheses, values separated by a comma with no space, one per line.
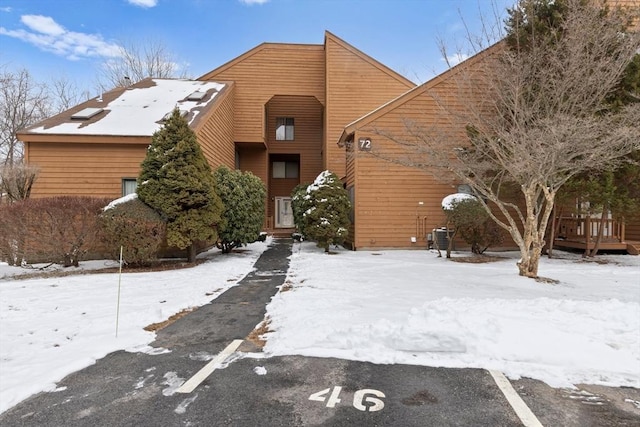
(355,86)
(271,69)
(84,169)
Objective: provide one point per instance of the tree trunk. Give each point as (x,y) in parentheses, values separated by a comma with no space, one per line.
(529,261)
(596,245)
(191,253)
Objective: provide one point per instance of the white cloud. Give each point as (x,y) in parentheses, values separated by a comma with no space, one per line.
(46,34)
(5,9)
(143,3)
(42,24)
(252,2)
(455,59)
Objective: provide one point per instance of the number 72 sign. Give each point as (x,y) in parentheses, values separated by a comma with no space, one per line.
(364,144)
(363,400)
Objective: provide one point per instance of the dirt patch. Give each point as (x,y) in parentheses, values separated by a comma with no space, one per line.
(287,286)
(255,335)
(155,327)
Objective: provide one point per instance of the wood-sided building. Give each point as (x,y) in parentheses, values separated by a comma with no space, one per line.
(277,110)
(285,112)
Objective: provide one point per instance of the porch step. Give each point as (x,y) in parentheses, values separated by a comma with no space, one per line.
(633,248)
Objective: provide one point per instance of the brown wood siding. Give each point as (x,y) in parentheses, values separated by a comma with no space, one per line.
(388,209)
(215,136)
(632,229)
(307,143)
(355,87)
(272,69)
(84,169)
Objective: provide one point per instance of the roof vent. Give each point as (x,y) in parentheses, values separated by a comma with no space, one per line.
(87,113)
(197,96)
(183,113)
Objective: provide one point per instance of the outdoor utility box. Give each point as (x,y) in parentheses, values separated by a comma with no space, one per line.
(442,236)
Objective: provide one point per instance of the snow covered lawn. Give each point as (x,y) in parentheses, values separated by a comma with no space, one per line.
(384,307)
(52,327)
(415,308)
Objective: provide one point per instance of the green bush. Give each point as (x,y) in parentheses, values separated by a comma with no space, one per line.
(327,219)
(135,227)
(300,203)
(472,222)
(242,194)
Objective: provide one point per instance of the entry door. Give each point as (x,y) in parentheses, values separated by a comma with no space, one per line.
(284,214)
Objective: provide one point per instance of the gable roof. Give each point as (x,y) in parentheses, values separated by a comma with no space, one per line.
(253,51)
(417,91)
(137,110)
(377,64)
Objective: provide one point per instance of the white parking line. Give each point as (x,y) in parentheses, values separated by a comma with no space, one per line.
(523,412)
(203,373)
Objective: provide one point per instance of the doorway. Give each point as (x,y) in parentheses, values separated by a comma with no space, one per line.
(284,213)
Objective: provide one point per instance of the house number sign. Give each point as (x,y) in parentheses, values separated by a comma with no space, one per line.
(364,144)
(366,400)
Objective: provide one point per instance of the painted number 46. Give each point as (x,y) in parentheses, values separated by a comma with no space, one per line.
(360,397)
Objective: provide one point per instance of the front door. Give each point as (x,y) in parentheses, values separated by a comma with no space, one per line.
(284,214)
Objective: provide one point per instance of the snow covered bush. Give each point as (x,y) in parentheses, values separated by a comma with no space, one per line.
(299,205)
(242,194)
(326,219)
(469,219)
(135,227)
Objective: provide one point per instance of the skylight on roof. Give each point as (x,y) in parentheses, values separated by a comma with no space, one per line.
(183,113)
(196,96)
(87,113)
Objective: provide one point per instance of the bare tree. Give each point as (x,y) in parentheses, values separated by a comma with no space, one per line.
(65,94)
(17,180)
(138,61)
(23,102)
(520,119)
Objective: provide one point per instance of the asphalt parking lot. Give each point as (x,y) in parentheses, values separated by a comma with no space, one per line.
(191,381)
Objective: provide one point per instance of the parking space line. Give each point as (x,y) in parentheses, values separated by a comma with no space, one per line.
(203,373)
(523,412)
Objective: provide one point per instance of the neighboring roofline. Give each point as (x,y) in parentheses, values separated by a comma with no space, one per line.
(202,119)
(379,65)
(416,91)
(253,51)
(26,134)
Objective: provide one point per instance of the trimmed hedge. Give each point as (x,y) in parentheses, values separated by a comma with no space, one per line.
(135,227)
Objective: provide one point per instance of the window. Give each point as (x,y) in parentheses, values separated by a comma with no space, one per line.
(285,170)
(129,186)
(284,129)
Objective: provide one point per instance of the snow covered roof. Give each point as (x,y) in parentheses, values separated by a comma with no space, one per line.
(137,110)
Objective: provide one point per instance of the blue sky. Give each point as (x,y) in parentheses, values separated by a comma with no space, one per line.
(73,37)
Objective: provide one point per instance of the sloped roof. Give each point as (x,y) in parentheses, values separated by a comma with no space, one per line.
(137,110)
(416,91)
(377,64)
(253,51)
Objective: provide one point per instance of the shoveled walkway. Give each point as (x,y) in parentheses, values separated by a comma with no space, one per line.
(235,313)
(138,389)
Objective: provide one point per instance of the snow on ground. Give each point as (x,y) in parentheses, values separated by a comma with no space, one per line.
(415,308)
(52,327)
(384,307)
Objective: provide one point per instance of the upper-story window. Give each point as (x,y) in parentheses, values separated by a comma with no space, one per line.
(284,129)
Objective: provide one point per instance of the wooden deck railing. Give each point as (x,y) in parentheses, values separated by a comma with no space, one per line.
(587,228)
